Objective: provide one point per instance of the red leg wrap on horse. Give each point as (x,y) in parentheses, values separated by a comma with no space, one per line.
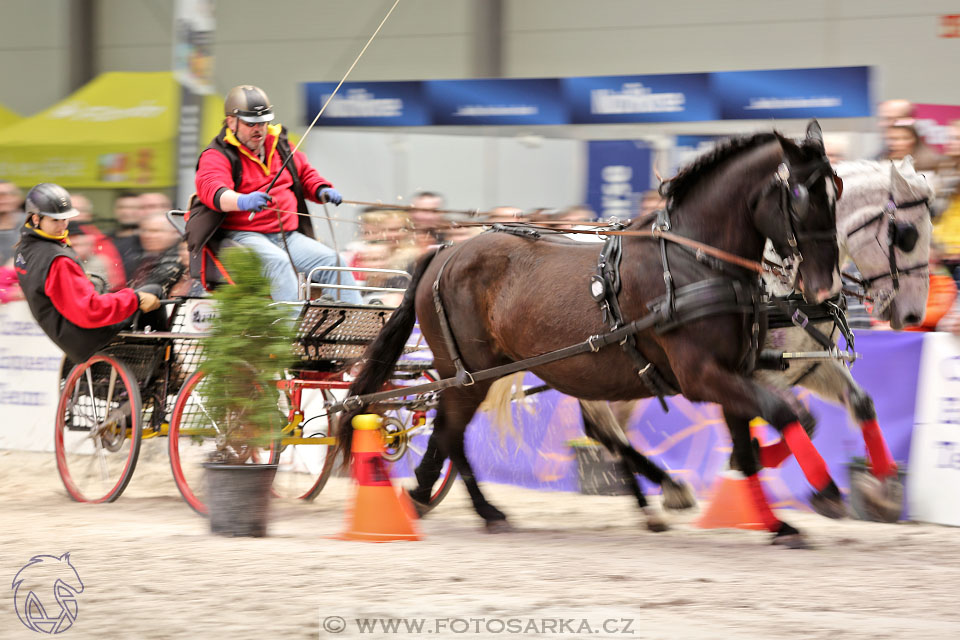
(773,455)
(763,507)
(811,462)
(880,459)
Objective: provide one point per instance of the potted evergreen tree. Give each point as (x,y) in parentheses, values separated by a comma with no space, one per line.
(245,354)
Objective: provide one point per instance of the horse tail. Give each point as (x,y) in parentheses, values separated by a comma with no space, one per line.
(499,403)
(382,355)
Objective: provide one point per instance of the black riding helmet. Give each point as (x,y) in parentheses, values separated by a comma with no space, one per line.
(248,103)
(51,200)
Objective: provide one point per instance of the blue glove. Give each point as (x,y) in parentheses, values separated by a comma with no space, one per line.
(329,194)
(253,201)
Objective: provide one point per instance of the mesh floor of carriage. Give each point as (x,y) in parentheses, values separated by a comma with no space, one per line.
(337,332)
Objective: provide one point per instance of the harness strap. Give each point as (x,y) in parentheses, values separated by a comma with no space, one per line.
(463,377)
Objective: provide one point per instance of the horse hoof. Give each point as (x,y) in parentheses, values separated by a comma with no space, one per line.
(657,524)
(498,526)
(828,506)
(791,541)
(789,537)
(883,501)
(677,496)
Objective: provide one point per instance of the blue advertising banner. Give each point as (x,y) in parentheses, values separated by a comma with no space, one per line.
(618,173)
(659,98)
(474,102)
(841,92)
(792,93)
(368,104)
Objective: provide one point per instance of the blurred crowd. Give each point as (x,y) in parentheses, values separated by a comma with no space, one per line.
(140,245)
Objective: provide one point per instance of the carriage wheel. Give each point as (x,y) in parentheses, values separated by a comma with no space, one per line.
(193,438)
(98,429)
(405,433)
(304,466)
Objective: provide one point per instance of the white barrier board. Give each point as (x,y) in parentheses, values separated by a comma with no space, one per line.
(29,381)
(933,483)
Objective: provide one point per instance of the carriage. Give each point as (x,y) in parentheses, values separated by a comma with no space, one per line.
(148,383)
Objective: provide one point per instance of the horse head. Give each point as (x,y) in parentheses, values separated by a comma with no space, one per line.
(885,229)
(797,213)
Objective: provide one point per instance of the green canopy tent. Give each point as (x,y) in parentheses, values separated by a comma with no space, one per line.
(118,131)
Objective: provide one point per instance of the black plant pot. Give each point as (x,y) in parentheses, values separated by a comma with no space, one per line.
(598,472)
(854,469)
(238,497)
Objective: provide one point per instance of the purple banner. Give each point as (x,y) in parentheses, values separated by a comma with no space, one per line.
(692,441)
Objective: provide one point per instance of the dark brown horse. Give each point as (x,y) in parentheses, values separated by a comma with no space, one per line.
(505,298)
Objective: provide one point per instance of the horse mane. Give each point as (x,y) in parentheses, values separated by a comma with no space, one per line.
(678,187)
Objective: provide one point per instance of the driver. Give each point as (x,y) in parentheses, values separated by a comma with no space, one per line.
(61,297)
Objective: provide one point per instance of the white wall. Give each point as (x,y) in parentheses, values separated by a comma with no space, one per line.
(33,54)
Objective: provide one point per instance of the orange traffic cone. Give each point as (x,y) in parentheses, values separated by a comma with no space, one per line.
(380,513)
(732,505)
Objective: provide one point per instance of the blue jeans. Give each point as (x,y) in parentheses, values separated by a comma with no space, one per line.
(307,254)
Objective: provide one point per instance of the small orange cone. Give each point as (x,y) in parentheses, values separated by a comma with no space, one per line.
(732,505)
(380,513)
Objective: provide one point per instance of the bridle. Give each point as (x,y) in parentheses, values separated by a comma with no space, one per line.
(900,235)
(795,205)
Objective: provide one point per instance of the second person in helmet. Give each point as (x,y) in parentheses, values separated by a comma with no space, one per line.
(61,297)
(233,174)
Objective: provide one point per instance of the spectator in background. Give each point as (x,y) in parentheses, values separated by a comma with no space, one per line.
(889,111)
(946,207)
(837,147)
(154,202)
(651,201)
(902,140)
(11,219)
(573,215)
(454,233)
(160,261)
(83,206)
(425,218)
(505,214)
(126,237)
(85,246)
(943,293)
(102,247)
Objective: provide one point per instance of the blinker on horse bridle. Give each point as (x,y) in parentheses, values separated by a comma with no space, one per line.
(795,205)
(900,235)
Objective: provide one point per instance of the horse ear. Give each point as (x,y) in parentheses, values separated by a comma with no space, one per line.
(814,133)
(898,184)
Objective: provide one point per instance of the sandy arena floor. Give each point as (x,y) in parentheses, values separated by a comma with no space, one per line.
(151,570)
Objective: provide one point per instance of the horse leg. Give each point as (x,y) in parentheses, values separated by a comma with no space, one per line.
(740,396)
(597,413)
(743,452)
(882,491)
(427,472)
(602,424)
(457,406)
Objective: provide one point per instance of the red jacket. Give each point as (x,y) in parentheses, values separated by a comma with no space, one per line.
(72,293)
(214,175)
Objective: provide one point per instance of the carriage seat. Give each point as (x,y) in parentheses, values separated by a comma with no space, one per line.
(205,266)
